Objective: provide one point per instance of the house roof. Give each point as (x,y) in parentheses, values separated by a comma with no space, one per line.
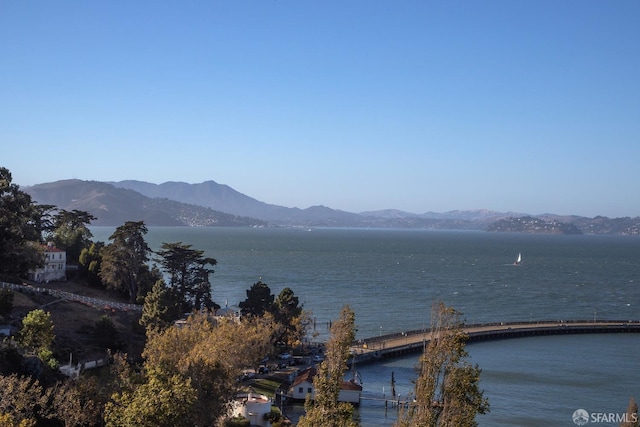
(51,248)
(308,374)
(350,385)
(305,376)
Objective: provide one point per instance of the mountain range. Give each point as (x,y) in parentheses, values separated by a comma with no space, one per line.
(209,203)
(212,204)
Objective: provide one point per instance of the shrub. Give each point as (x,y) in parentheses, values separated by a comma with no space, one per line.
(237,422)
(6,301)
(106,334)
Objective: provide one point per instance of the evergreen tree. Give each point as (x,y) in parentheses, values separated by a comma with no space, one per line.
(6,302)
(325,410)
(446,392)
(147,278)
(124,260)
(259,300)
(290,317)
(161,308)
(20,229)
(189,273)
(71,232)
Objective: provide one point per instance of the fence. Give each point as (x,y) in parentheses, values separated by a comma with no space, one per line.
(94,302)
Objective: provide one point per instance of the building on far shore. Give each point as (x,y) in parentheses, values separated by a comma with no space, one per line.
(350,391)
(55,267)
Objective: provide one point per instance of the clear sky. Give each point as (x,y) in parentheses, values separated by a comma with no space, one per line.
(526,106)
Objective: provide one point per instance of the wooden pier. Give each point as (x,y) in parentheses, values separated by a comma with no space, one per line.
(373,349)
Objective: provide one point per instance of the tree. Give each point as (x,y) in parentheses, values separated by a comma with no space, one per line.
(205,354)
(631,416)
(189,275)
(163,401)
(90,261)
(124,260)
(325,410)
(446,392)
(146,279)
(106,334)
(71,232)
(73,403)
(161,308)
(37,331)
(6,301)
(291,319)
(20,231)
(259,300)
(22,401)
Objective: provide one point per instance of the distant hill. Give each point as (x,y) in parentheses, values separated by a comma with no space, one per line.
(224,198)
(475,215)
(114,206)
(527,224)
(213,204)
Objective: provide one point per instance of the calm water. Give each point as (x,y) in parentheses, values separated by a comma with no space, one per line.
(391,277)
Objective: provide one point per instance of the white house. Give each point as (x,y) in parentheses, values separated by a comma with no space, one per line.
(303,385)
(55,267)
(253,407)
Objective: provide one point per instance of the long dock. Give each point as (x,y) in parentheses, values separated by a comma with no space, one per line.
(373,349)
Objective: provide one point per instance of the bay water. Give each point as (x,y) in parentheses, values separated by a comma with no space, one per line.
(391,277)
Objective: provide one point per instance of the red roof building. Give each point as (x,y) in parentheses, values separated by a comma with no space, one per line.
(302,386)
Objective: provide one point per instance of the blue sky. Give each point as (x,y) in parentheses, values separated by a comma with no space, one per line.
(526,106)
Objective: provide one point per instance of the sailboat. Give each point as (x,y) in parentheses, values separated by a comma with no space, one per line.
(519,260)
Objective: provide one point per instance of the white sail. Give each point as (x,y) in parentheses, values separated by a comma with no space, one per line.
(519,258)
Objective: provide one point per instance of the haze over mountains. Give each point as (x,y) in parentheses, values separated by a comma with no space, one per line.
(114,206)
(212,204)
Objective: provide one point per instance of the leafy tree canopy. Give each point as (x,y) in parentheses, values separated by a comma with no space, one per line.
(163,401)
(20,229)
(37,331)
(200,359)
(90,261)
(447,391)
(325,410)
(71,232)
